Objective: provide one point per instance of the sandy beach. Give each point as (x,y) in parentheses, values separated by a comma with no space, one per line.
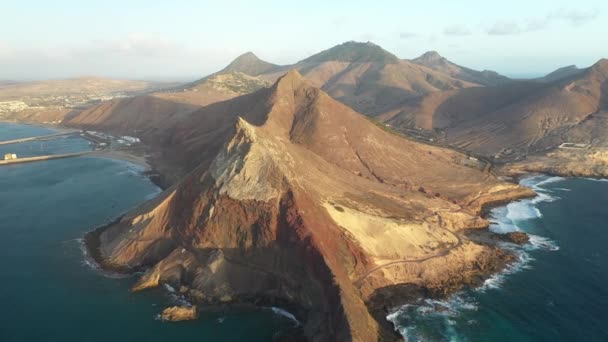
(123,155)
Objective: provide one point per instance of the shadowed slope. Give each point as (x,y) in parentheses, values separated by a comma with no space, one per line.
(526,117)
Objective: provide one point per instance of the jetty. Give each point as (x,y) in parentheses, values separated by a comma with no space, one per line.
(42,158)
(43,137)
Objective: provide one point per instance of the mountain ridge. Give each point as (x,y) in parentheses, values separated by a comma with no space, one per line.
(435,61)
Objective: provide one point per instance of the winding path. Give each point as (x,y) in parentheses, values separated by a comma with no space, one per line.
(444,252)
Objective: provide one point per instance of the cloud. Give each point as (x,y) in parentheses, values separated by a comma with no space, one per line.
(575,17)
(456,30)
(407,35)
(512,27)
(506,28)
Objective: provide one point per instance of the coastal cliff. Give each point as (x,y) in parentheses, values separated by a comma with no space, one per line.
(302,203)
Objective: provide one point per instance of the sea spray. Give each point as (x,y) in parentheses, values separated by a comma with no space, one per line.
(286,314)
(433,319)
(89,262)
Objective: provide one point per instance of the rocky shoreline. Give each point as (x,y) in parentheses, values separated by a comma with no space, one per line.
(380,304)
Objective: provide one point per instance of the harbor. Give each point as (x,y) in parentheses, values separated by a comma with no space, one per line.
(101,144)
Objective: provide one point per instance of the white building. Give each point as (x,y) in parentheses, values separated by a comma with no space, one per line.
(130,139)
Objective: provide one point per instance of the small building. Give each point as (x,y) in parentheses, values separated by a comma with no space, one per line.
(130,139)
(10,156)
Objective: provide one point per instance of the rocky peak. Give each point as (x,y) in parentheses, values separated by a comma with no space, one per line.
(354,52)
(429,57)
(602,64)
(248,63)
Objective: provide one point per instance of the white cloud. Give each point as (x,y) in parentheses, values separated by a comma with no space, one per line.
(574,16)
(514,27)
(407,35)
(505,28)
(456,30)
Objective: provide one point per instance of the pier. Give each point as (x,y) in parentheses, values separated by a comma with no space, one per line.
(42,158)
(43,137)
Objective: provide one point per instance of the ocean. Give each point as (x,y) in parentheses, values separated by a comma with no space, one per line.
(557,291)
(49,292)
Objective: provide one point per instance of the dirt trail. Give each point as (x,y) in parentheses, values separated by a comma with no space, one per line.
(444,252)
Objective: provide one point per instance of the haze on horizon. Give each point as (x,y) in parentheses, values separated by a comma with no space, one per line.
(187,39)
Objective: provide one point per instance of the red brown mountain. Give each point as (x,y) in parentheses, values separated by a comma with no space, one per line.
(435,61)
(522,117)
(368,78)
(294,199)
(561,73)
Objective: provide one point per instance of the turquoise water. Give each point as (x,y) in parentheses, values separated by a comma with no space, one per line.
(48,292)
(558,291)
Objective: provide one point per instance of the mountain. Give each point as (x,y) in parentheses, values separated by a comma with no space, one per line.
(520,118)
(369,79)
(248,63)
(561,73)
(230,82)
(435,61)
(293,199)
(354,52)
(361,75)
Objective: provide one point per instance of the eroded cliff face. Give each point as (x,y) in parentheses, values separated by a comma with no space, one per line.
(309,206)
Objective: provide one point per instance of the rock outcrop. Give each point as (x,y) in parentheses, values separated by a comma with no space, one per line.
(179,313)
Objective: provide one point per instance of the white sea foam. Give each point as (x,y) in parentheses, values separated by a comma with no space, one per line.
(285,313)
(443,310)
(169,288)
(541,242)
(503,220)
(597,179)
(497,280)
(506,219)
(176,298)
(91,263)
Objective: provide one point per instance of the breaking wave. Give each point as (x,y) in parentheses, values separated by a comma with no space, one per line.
(92,264)
(433,319)
(286,314)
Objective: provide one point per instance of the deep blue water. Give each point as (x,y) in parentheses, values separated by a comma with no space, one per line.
(48,292)
(557,292)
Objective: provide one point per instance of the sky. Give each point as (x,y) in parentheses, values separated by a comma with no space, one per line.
(183,40)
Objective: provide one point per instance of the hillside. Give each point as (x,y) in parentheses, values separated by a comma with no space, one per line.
(435,61)
(361,75)
(517,119)
(72,87)
(295,200)
(248,63)
(368,78)
(353,52)
(561,73)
